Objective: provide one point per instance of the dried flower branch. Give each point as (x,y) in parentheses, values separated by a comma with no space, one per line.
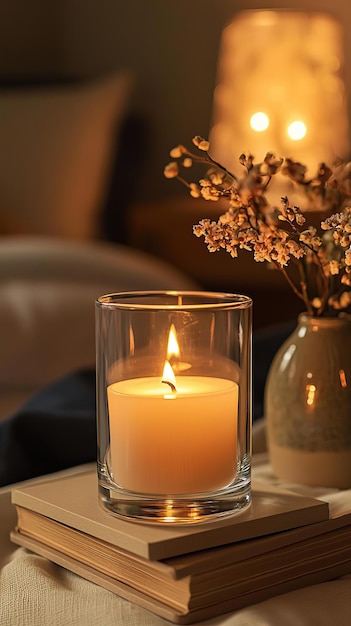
(316,263)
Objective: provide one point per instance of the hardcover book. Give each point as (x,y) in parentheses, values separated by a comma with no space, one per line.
(184,573)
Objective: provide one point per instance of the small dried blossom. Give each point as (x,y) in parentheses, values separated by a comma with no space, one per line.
(195,190)
(171,170)
(201,144)
(177,152)
(316,261)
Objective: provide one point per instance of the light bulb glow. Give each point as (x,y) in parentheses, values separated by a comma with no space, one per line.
(297,130)
(259,121)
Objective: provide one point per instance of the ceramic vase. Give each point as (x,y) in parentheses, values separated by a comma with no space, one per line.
(308,404)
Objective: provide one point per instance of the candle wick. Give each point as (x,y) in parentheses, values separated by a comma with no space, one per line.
(172,386)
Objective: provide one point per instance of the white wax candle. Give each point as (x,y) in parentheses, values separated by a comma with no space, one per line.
(164,443)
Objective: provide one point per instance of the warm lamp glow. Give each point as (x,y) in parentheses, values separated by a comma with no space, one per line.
(281,72)
(297,130)
(259,122)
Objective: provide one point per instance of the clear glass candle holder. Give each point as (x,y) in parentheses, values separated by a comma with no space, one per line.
(174,404)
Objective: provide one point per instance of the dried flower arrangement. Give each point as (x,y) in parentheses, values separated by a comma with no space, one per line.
(315,261)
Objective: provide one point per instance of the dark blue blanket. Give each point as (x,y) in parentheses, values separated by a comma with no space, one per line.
(56,428)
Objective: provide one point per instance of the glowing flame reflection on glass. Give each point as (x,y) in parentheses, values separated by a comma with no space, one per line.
(173,346)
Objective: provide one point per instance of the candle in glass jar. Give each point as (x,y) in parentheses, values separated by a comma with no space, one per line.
(166,442)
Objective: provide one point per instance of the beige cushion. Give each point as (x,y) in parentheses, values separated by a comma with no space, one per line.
(48,289)
(56,146)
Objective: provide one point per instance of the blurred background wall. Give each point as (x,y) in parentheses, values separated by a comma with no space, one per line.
(171,48)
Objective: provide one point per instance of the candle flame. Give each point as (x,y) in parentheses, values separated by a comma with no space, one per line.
(168,376)
(173,346)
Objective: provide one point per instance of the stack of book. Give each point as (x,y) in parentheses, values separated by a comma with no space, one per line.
(185,574)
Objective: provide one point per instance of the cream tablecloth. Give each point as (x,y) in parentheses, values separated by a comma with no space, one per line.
(35,592)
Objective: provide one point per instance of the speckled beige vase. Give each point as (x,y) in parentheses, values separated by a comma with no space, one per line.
(308,404)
